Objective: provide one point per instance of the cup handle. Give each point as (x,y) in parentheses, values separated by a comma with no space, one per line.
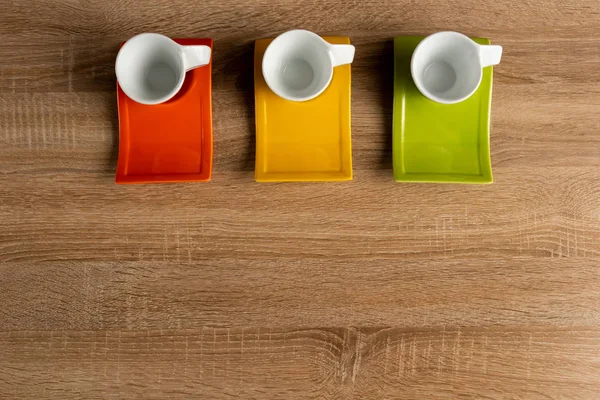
(490,55)
(342,54)
(195,56)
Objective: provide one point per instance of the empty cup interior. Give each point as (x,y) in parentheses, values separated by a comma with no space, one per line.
(298,67)
(149,68)
(448,68)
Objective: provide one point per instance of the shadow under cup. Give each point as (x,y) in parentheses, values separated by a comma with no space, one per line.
(297,70)
(150,70)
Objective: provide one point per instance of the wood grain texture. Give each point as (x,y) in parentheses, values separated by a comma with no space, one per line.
(357,290)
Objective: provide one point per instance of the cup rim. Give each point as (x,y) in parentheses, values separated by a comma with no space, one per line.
(270,50)
(162,99)
(427,93)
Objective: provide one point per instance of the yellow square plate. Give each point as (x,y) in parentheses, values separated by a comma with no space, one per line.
(303,141)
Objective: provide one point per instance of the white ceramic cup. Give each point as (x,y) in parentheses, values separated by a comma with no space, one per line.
(446,66)
(151,67)
(298,64)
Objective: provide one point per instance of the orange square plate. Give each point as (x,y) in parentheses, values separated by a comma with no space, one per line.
(169,142)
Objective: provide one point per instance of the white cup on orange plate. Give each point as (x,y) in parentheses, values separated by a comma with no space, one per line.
(151,67)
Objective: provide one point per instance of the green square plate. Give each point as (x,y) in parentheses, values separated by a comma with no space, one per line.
(435,142)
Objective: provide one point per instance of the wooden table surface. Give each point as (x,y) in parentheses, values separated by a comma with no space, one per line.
(357,290)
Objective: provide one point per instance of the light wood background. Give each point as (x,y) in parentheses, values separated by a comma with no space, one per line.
(359,290)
